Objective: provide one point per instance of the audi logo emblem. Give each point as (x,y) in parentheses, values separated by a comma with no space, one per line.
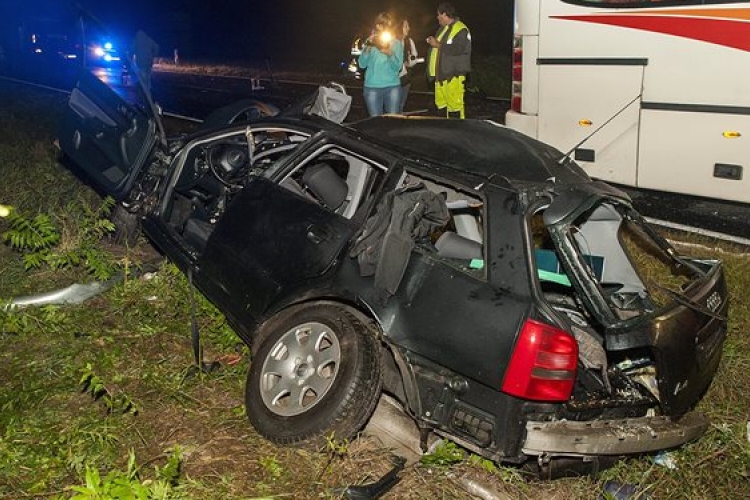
(713,302)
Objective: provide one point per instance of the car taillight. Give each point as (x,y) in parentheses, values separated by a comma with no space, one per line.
(517,76)
(543,364)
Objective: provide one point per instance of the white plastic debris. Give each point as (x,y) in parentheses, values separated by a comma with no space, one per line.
(748,432)
(666,459)
(76,293)
(481,489)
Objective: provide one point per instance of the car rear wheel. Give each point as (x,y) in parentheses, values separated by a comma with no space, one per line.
(316,373)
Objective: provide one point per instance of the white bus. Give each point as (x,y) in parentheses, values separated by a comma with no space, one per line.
(661,89)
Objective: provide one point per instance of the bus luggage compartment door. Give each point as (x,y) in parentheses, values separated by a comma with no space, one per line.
(583,95)
(698,150)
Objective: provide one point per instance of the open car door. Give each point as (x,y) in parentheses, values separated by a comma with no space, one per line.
(108,139)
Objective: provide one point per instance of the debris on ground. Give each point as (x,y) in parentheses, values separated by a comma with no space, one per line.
(76,293)
(615,490)
(480,489)
(666,459)
(372,491)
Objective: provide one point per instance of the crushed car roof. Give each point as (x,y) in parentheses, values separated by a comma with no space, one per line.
(481,147)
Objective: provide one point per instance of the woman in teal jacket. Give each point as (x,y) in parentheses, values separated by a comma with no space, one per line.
(382,59)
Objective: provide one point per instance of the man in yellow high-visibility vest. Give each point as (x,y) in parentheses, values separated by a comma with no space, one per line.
(449,61)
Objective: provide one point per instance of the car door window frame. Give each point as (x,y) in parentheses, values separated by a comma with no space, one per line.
(466,227)
(364,176)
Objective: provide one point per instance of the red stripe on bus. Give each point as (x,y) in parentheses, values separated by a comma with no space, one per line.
(734,34)
(723,13)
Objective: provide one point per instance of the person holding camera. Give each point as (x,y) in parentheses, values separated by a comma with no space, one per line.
(382,58)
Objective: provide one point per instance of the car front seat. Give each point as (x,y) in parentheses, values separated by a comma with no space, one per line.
(326,185)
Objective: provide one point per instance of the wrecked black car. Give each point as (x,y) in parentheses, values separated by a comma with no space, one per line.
(505,299)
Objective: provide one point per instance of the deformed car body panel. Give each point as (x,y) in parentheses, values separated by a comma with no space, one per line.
(423,316)
(424,319)
(302,241)
(685,334)
(474,148)
(612,437)
(682,383)
(234,209)
(108,139)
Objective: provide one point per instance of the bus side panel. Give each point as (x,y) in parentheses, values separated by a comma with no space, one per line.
(688,152)
(527,18)
(680,69)
(576,106)
(526,121)
(691,60)
(530,101)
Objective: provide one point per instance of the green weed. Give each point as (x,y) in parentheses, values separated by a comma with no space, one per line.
(445,454)
(128,484)
(272,466)
(115,402)
(70,239)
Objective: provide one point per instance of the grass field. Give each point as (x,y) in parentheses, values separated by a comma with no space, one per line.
(98,398)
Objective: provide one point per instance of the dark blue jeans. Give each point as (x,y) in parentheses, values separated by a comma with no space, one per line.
(382,100)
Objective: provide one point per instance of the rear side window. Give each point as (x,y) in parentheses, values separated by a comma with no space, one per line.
(460,242)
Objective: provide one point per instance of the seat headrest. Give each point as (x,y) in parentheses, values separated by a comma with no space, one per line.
(326,185)
(454,246)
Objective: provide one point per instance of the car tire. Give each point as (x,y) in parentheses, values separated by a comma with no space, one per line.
(127,227)
(316,374)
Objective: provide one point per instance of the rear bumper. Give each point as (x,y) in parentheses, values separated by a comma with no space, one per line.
(612,437)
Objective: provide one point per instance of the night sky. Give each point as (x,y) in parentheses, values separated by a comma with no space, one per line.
(322,30)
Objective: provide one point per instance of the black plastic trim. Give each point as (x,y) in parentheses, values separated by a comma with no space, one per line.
(592,61)
(696,108)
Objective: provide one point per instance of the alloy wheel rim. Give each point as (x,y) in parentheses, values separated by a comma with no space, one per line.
(300,369)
